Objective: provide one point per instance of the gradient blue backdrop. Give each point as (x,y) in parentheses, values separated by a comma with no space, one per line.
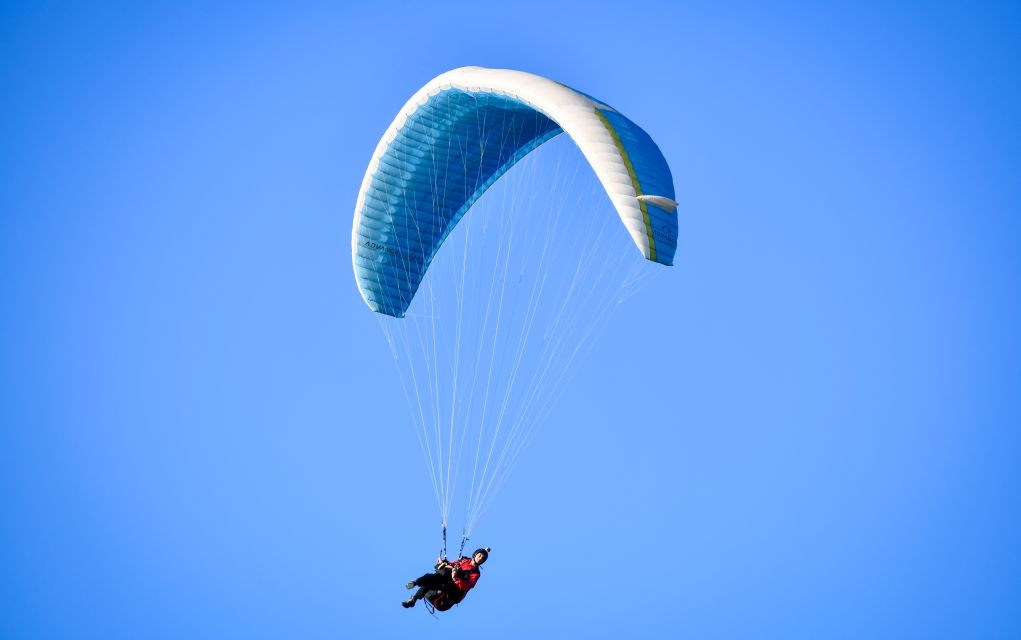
(200,436)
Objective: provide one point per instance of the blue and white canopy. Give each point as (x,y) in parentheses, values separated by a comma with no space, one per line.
(456,136)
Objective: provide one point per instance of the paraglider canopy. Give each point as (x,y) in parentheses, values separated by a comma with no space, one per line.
(456,136)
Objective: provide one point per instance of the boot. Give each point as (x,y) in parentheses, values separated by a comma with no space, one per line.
(410,585)
(407,604)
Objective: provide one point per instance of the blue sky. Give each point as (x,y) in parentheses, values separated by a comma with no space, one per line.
(200,432)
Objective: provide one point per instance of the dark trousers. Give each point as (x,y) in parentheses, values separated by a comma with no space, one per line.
(439,581)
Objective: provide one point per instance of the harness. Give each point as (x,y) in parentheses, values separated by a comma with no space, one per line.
(437,599)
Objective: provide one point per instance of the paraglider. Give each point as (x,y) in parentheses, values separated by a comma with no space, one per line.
(449,583)
(504,325)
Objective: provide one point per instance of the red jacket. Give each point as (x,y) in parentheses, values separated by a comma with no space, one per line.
(467,576)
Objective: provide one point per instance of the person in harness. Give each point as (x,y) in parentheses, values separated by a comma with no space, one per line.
(450,583)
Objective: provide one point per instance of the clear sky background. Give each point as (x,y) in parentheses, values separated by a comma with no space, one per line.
(200,434)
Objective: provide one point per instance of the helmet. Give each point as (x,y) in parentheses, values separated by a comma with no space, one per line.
(484,552)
